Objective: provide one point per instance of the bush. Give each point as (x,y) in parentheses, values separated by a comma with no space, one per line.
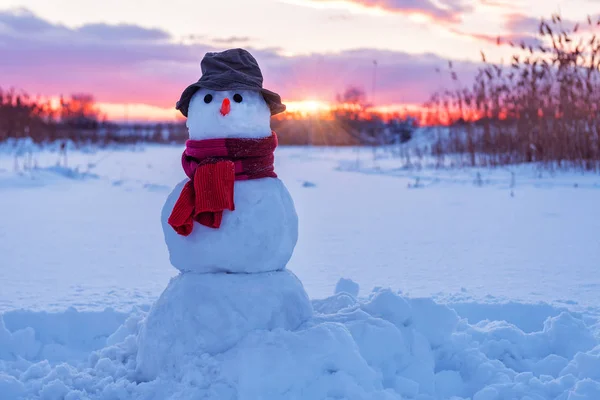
(543,107)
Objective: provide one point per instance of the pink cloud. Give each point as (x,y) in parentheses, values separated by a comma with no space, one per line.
(515,38)
(131,64)
(443,10)
(519,23)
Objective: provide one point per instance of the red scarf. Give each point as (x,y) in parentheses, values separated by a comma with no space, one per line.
(212,166)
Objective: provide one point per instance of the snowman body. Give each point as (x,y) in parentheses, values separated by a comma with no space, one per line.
(262,231)
(258,236)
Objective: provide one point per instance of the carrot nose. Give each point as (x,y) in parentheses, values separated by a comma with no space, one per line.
(225,106)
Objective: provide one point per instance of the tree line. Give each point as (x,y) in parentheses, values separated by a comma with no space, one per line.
(76,118)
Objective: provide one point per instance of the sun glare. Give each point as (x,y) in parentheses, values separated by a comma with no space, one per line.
(307,106)
(419,17)
(139,112)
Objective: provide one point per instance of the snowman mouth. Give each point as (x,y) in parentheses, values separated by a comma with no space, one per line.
(225,107)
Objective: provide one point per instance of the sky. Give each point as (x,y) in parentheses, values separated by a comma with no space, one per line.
(137,56)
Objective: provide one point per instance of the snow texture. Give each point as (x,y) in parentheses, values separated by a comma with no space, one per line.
(258,236)
(209,313)
(347,286)
(382,346)
(251,118)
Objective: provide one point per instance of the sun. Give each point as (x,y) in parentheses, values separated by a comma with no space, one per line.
(307,106)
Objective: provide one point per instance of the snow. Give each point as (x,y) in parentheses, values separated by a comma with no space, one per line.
(209,313)
(261,232)
(538,246)
(498,300)
(347,286)
(364,350)
(249,119)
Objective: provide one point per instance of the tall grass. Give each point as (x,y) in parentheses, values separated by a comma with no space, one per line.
(543,107)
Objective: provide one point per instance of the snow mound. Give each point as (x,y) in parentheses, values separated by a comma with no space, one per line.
(57,337)
(527,317)
(347,286)
(383,346)
(210,313)
(262,232)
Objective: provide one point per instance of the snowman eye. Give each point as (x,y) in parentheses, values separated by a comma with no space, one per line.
(208,98)
(237,98)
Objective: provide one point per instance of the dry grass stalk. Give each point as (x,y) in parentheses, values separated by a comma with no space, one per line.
(544,107)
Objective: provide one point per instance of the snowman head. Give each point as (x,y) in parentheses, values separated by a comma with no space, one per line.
(229,99)
(228,114)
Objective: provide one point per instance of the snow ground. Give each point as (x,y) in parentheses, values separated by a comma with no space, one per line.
(97,242)
(91,239)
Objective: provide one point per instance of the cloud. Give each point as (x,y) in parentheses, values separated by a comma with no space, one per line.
(514,38)
(232,39)
(117,63)
(522,29)
(518,23)
(449,11)
(123,31)
(132,64)
(399,77)
(23,21)
(506,4)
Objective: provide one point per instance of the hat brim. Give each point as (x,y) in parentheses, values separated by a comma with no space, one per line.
(273,99)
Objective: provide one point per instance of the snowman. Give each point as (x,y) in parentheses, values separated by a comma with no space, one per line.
(230,226)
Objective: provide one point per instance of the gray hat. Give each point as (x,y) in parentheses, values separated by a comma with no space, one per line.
(234,69)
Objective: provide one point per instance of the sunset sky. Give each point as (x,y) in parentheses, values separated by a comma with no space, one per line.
(143,53)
